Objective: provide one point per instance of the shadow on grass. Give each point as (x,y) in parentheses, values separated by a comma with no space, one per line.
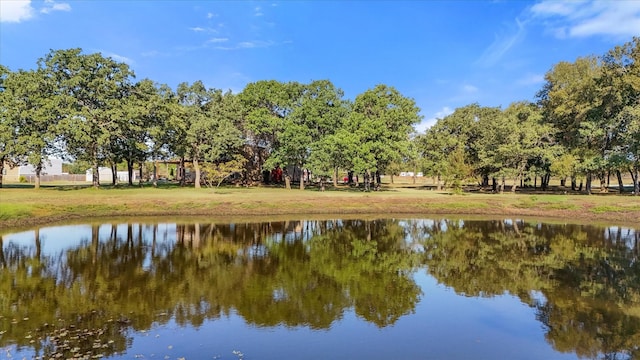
(47,187)
(348,188)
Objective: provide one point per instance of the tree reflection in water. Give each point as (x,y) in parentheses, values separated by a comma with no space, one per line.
(583,281)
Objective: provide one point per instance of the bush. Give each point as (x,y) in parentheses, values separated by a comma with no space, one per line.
(22,179)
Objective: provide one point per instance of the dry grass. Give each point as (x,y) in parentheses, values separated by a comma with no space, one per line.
(21,207)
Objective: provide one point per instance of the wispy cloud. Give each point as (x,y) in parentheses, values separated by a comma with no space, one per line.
(531,79)
(204,30)
(51,6)
(248,45)
(469,89)
(502,44)
(117,57)
(589,18)
(211,15)
(16,11)
(217,40)
(258,11)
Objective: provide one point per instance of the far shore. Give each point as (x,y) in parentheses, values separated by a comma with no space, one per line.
(22,207)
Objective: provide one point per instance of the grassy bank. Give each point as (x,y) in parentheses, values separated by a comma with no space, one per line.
(21,206)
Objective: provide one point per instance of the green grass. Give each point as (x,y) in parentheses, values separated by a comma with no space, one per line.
(21,206)
(14,211)
(606,208)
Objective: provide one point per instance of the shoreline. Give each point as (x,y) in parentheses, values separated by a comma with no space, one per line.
(23,208)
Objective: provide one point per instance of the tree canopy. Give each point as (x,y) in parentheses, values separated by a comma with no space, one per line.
(585,124)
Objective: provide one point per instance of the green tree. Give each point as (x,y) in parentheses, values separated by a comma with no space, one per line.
(619,87)
(383,120)
(267,105)
(457,134)
(317,113)
(90,91)
(570,101)
(8,126)
(526,140)
(210,120)
(33,96)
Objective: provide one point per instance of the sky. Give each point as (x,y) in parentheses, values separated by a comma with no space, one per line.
(443,54)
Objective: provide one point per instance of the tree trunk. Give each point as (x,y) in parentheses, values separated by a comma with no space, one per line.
(322,183)
(620,183)
(302,172)
(335,177)
(636,183)
(392,178)
(494,184)
(603,186)
(379,180)
(502,185)
(366,180)
(181,172)
(439,185)
(485,180)
(287,180)
(634,178)
(535,182)
(130,171)
(515,184)
(140,174)
(155,173)
(563,182)
(114,174)
(573,183)
(38,170)
(196,168)
(587,187)
(96,174)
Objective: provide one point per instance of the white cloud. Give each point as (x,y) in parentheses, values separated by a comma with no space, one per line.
(218,40)
(211,15)
(15,11)
(531,79)
(200,29)
(469,89)
(258,11)
(50,6)
(21,10)
(248,45)
(590,18)
(118,58)
(427,123)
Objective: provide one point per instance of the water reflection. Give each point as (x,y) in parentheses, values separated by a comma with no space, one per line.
(84,291)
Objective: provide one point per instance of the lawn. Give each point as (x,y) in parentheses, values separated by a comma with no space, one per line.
(23,206)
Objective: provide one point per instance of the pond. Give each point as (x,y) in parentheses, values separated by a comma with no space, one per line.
(321,289)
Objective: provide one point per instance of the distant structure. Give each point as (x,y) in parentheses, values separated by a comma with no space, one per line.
(105,175)
(51,167)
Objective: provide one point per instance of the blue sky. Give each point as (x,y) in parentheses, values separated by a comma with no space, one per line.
(443,54)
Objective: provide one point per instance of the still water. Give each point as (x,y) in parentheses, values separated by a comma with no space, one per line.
(321,289)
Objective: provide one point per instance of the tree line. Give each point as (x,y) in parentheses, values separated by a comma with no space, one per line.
(584,124)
